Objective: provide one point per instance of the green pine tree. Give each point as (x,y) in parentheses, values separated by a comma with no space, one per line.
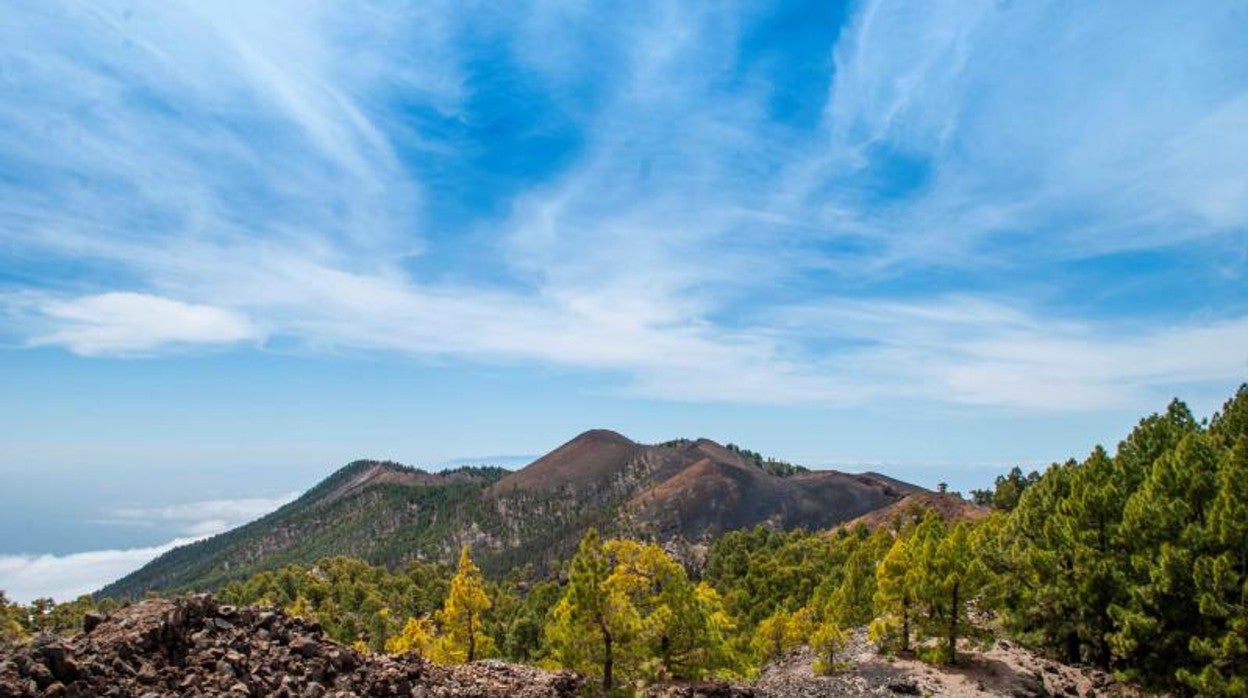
(1164,524)
(949,579)
(1220,578)
(894,598)
(593,625)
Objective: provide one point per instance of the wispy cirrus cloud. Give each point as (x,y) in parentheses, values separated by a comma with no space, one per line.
(969,351)
(638,195)
(1038,132)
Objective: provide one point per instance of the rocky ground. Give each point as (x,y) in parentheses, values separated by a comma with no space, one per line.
(1001,670)
(197,647)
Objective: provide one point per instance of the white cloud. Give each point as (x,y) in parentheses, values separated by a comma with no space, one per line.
(132,323)
(1069,131)
(66,577)
(199,518)
(975,351)
(674,250)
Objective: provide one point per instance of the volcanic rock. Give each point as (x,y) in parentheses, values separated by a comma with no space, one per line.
(193,646)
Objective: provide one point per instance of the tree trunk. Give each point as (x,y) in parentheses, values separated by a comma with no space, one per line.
(1103,652)
(905,622)
(953,626)
(1072,647)
(665,651)
(608,662)
(472,639)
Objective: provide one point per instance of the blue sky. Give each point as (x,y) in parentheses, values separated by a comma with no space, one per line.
(244,243)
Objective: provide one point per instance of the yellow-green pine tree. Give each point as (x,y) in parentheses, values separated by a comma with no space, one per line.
(782,631)
(10,628)
(827,641)
(418,635)
(301,609)
(594,625)
(949,579)
(682,625)
(894,598)
(462,616)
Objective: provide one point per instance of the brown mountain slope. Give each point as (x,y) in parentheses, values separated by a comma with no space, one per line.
(390,514)
(582,463)
(899,485)
(913,507)
(712,496)
(373,474)
(692,489)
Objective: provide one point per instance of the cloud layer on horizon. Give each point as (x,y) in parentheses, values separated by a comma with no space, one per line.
(24,577)
(966,203)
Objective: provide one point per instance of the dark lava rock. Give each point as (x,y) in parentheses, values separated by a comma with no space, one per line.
(92,620)
(703,689)
(186,647)
(908,688)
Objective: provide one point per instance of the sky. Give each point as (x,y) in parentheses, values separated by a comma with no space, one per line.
(242,244)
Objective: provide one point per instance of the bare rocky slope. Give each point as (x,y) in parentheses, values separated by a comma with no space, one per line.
(1003,669)
(681,491)
(194,646)
(912,507)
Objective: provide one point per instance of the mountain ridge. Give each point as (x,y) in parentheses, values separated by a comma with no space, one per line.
(389,513)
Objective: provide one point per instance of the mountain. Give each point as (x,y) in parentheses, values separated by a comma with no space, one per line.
(386,513)
(913,506)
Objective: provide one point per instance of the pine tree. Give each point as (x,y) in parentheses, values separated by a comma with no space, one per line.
(593,622)
(1151,439)
(717,630)
(463,613)
(1231,422)
(782,631)
(1220,578)
(418,635)
(10,620)
(852,603)
(948,579)
(301,608)
(1092,515)
(1007,491)
(894,601)
(1164,522)
(1041,605)
(681,625)
(990,554)
(827,641)
(523,632)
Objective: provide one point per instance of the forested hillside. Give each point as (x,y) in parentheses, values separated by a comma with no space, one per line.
(1134,560)
(685,491)
(382,512)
